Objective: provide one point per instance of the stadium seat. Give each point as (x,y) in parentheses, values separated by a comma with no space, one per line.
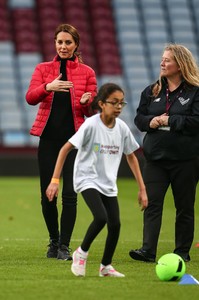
(25,30)
(121,39)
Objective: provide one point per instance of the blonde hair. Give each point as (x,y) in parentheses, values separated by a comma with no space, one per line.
(187,64)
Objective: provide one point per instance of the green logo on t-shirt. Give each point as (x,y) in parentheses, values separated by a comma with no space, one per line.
(96,147)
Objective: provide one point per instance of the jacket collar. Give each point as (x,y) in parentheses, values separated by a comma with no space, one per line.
(72,63)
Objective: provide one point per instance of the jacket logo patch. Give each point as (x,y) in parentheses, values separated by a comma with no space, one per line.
(183,101)
(157,100)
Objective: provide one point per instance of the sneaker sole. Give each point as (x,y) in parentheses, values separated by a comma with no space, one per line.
(108,275)
(51,256)
(62,258)
(67,259)
(140,257)
(75,273)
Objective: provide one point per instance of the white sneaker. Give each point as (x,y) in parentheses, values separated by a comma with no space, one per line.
(78,266)
(109,271)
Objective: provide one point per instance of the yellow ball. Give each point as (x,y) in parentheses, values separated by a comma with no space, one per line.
(170,267)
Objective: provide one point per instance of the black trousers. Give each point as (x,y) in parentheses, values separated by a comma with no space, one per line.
(105,210)
(47,155)
(182,176)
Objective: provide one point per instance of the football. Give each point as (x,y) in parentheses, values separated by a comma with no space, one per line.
(170,267)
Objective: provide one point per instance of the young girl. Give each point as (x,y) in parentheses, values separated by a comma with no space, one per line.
(101,141)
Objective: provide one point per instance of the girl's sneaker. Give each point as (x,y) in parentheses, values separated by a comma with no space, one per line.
(109,271)
(78,266)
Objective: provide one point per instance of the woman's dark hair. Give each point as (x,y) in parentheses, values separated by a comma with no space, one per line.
(104,92)
(73,31)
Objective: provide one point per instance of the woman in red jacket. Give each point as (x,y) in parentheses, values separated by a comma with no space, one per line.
(64,89)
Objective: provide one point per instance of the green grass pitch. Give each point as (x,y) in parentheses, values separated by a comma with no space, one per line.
(26,273)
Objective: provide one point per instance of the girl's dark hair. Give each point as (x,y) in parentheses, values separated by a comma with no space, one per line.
(73,31)
(104,92)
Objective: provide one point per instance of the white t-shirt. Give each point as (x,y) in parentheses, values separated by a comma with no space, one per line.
(99,154)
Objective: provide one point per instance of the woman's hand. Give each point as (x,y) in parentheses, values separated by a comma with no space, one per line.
(58,85)
(85,97)
(157,121)
(164,120)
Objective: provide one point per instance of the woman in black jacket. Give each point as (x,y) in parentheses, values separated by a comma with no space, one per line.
(169,114)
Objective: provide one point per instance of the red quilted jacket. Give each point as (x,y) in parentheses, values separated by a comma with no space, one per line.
(83,78)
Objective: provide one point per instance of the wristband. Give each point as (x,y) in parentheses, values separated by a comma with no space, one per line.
(55,180)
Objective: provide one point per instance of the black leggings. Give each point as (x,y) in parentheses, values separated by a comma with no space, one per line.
(105,210)
(47,155)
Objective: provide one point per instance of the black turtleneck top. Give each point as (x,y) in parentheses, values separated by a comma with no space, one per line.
(60,124)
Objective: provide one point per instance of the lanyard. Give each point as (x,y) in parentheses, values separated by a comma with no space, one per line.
(168,102)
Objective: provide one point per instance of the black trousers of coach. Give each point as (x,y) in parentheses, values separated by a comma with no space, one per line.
(182,176)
